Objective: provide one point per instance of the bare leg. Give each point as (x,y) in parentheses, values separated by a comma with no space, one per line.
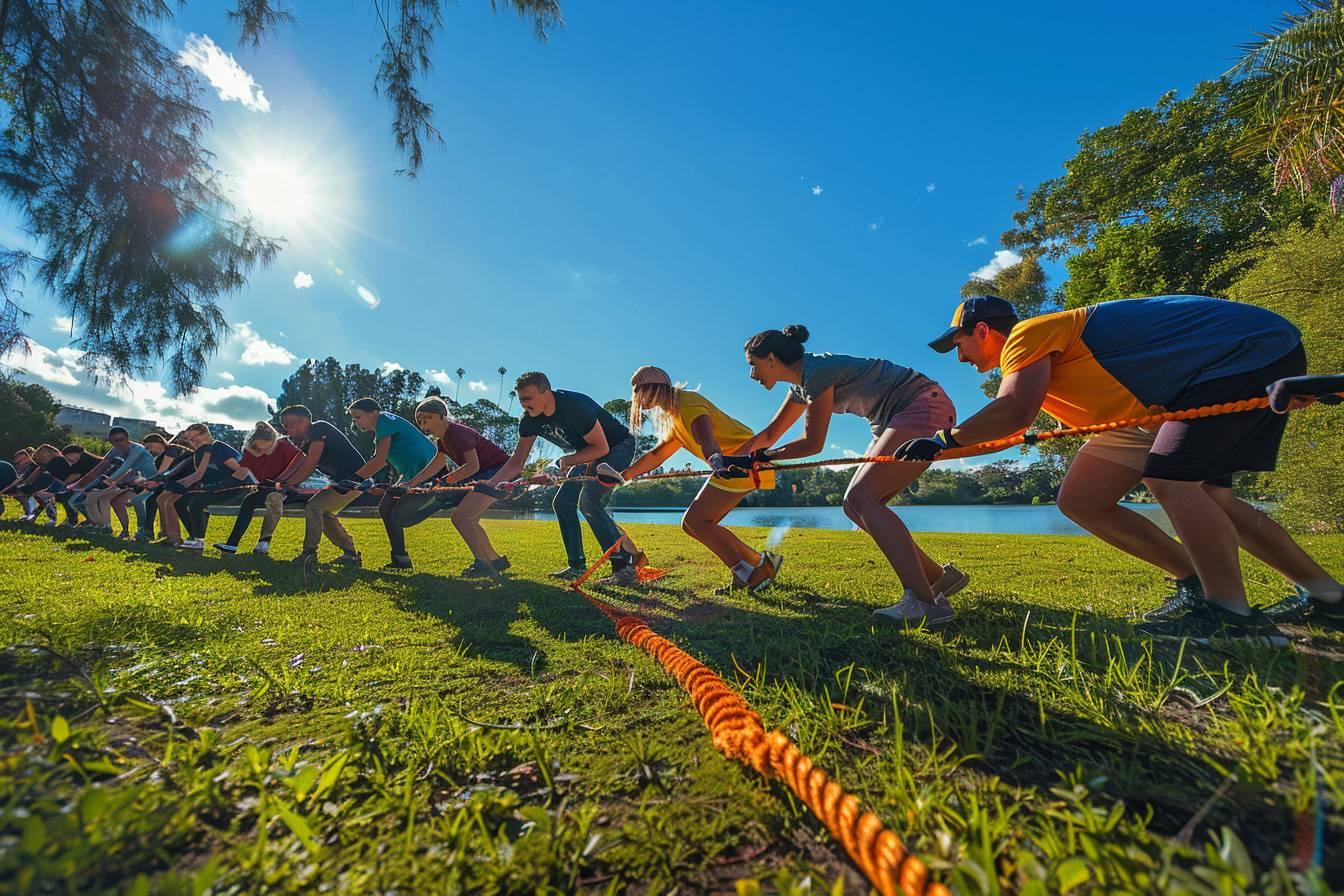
(1266,540)
(1209,537)
(933,571)
(1090,496)
(866,499)
(117,505)
(168,523)
(701,522)
(467,521)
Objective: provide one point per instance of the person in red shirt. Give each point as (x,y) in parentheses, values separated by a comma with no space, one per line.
(476,459)
(269,457)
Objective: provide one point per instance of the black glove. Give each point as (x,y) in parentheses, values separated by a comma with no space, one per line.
(927,449)
(1322,388)
(396,491)
(762,456)
(485,488)
(730,466)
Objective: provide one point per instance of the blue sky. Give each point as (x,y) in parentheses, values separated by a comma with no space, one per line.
(652,186)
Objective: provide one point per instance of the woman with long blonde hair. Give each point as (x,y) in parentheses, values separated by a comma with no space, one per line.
(686,419)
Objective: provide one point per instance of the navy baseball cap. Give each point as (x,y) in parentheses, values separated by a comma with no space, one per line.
(971,312)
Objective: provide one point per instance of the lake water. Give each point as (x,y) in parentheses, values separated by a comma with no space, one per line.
(1021,519)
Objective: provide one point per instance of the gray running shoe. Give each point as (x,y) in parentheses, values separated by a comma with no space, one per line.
(1188,594)
(568,574)
(951,581)
(1211,623)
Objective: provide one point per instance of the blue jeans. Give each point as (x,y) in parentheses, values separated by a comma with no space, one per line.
(590,498)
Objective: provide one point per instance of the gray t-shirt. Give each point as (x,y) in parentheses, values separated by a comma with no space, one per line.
(869,387)
(138,460)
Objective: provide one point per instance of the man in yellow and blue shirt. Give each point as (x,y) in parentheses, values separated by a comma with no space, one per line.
(1130,358)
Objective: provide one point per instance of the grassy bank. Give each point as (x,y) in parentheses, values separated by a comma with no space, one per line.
(175,723)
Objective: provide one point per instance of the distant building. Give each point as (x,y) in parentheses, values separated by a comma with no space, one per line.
(136,427)
(84,422)
(223,432)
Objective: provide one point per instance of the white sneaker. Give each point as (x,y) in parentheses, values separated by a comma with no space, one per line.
(193,544)
(624,577)
(951,581)
(910,610)
(263,547)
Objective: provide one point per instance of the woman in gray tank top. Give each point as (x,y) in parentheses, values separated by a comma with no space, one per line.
(897,402)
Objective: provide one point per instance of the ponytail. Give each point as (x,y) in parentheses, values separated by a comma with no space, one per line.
(786,344)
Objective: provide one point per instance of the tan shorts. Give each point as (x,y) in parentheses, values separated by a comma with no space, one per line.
(1126,447)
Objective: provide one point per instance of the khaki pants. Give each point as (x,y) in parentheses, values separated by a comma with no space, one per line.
(320,516)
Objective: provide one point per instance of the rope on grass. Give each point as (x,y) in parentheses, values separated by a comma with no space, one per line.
(739,734)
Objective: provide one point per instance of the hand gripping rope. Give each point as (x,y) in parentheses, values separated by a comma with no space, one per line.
(738,733)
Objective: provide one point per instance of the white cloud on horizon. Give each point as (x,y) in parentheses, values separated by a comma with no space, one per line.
(303,280)
(258,351)
(478,386)
(978,241)
(59,371)
(230,80)
(1002,260)
(390,367)
(440,377)
(226,376)
(64,325)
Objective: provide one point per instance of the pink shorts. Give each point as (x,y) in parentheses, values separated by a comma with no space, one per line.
(931,411)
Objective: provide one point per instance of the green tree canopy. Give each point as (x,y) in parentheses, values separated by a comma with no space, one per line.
(29,412)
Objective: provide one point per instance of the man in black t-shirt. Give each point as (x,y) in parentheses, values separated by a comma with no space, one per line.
(49,478)
(591,435)
(327,450)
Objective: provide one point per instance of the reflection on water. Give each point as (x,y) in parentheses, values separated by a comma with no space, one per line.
(1020,519)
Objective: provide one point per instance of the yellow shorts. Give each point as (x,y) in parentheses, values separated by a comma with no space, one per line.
(765,477)
(1126,447)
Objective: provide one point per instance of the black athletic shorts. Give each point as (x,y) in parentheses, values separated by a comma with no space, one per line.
(1211,449)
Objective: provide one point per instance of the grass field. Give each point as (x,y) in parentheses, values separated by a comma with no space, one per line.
(171,723)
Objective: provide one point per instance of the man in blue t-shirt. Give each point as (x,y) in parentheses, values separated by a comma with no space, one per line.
(592,436)
(218,478)
(127,461)
(326,450)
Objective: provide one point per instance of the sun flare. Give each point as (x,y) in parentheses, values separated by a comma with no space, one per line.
(279,193)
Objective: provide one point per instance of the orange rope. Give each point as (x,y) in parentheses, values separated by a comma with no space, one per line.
(739,734)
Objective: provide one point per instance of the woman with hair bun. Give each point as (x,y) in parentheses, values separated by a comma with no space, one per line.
(899,404)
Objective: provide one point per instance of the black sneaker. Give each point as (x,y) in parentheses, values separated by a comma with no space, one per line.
(1189,594)
(1210,622)
(568,574)
(1296,607)
(399,562)
(349,558)
(500,564)
(1325,612)
(478,569)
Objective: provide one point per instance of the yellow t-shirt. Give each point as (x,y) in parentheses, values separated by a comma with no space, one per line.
(729,433)
(1081,392)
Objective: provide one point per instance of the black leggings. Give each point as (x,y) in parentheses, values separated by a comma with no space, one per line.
(192,509)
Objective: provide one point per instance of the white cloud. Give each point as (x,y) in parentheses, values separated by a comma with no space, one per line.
(929,188)
(258,351)
(225,376)
(478,386)
(439,376)
(369,298)
(390,367)
(978,241)
(230,80)
(302,280)
(1002,260)
(816,191)
(44,364)
(876,225)
(145,399)
(64,325)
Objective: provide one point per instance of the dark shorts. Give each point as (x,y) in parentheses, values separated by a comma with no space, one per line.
(1211,449)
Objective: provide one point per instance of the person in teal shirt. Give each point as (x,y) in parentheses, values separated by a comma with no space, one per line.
(396,442)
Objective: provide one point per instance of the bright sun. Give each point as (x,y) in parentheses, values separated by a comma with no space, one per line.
(279,193)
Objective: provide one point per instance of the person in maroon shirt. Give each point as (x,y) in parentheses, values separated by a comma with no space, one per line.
(269,457)
(476,459)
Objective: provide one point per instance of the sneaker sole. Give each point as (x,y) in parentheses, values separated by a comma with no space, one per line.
(1275,641)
